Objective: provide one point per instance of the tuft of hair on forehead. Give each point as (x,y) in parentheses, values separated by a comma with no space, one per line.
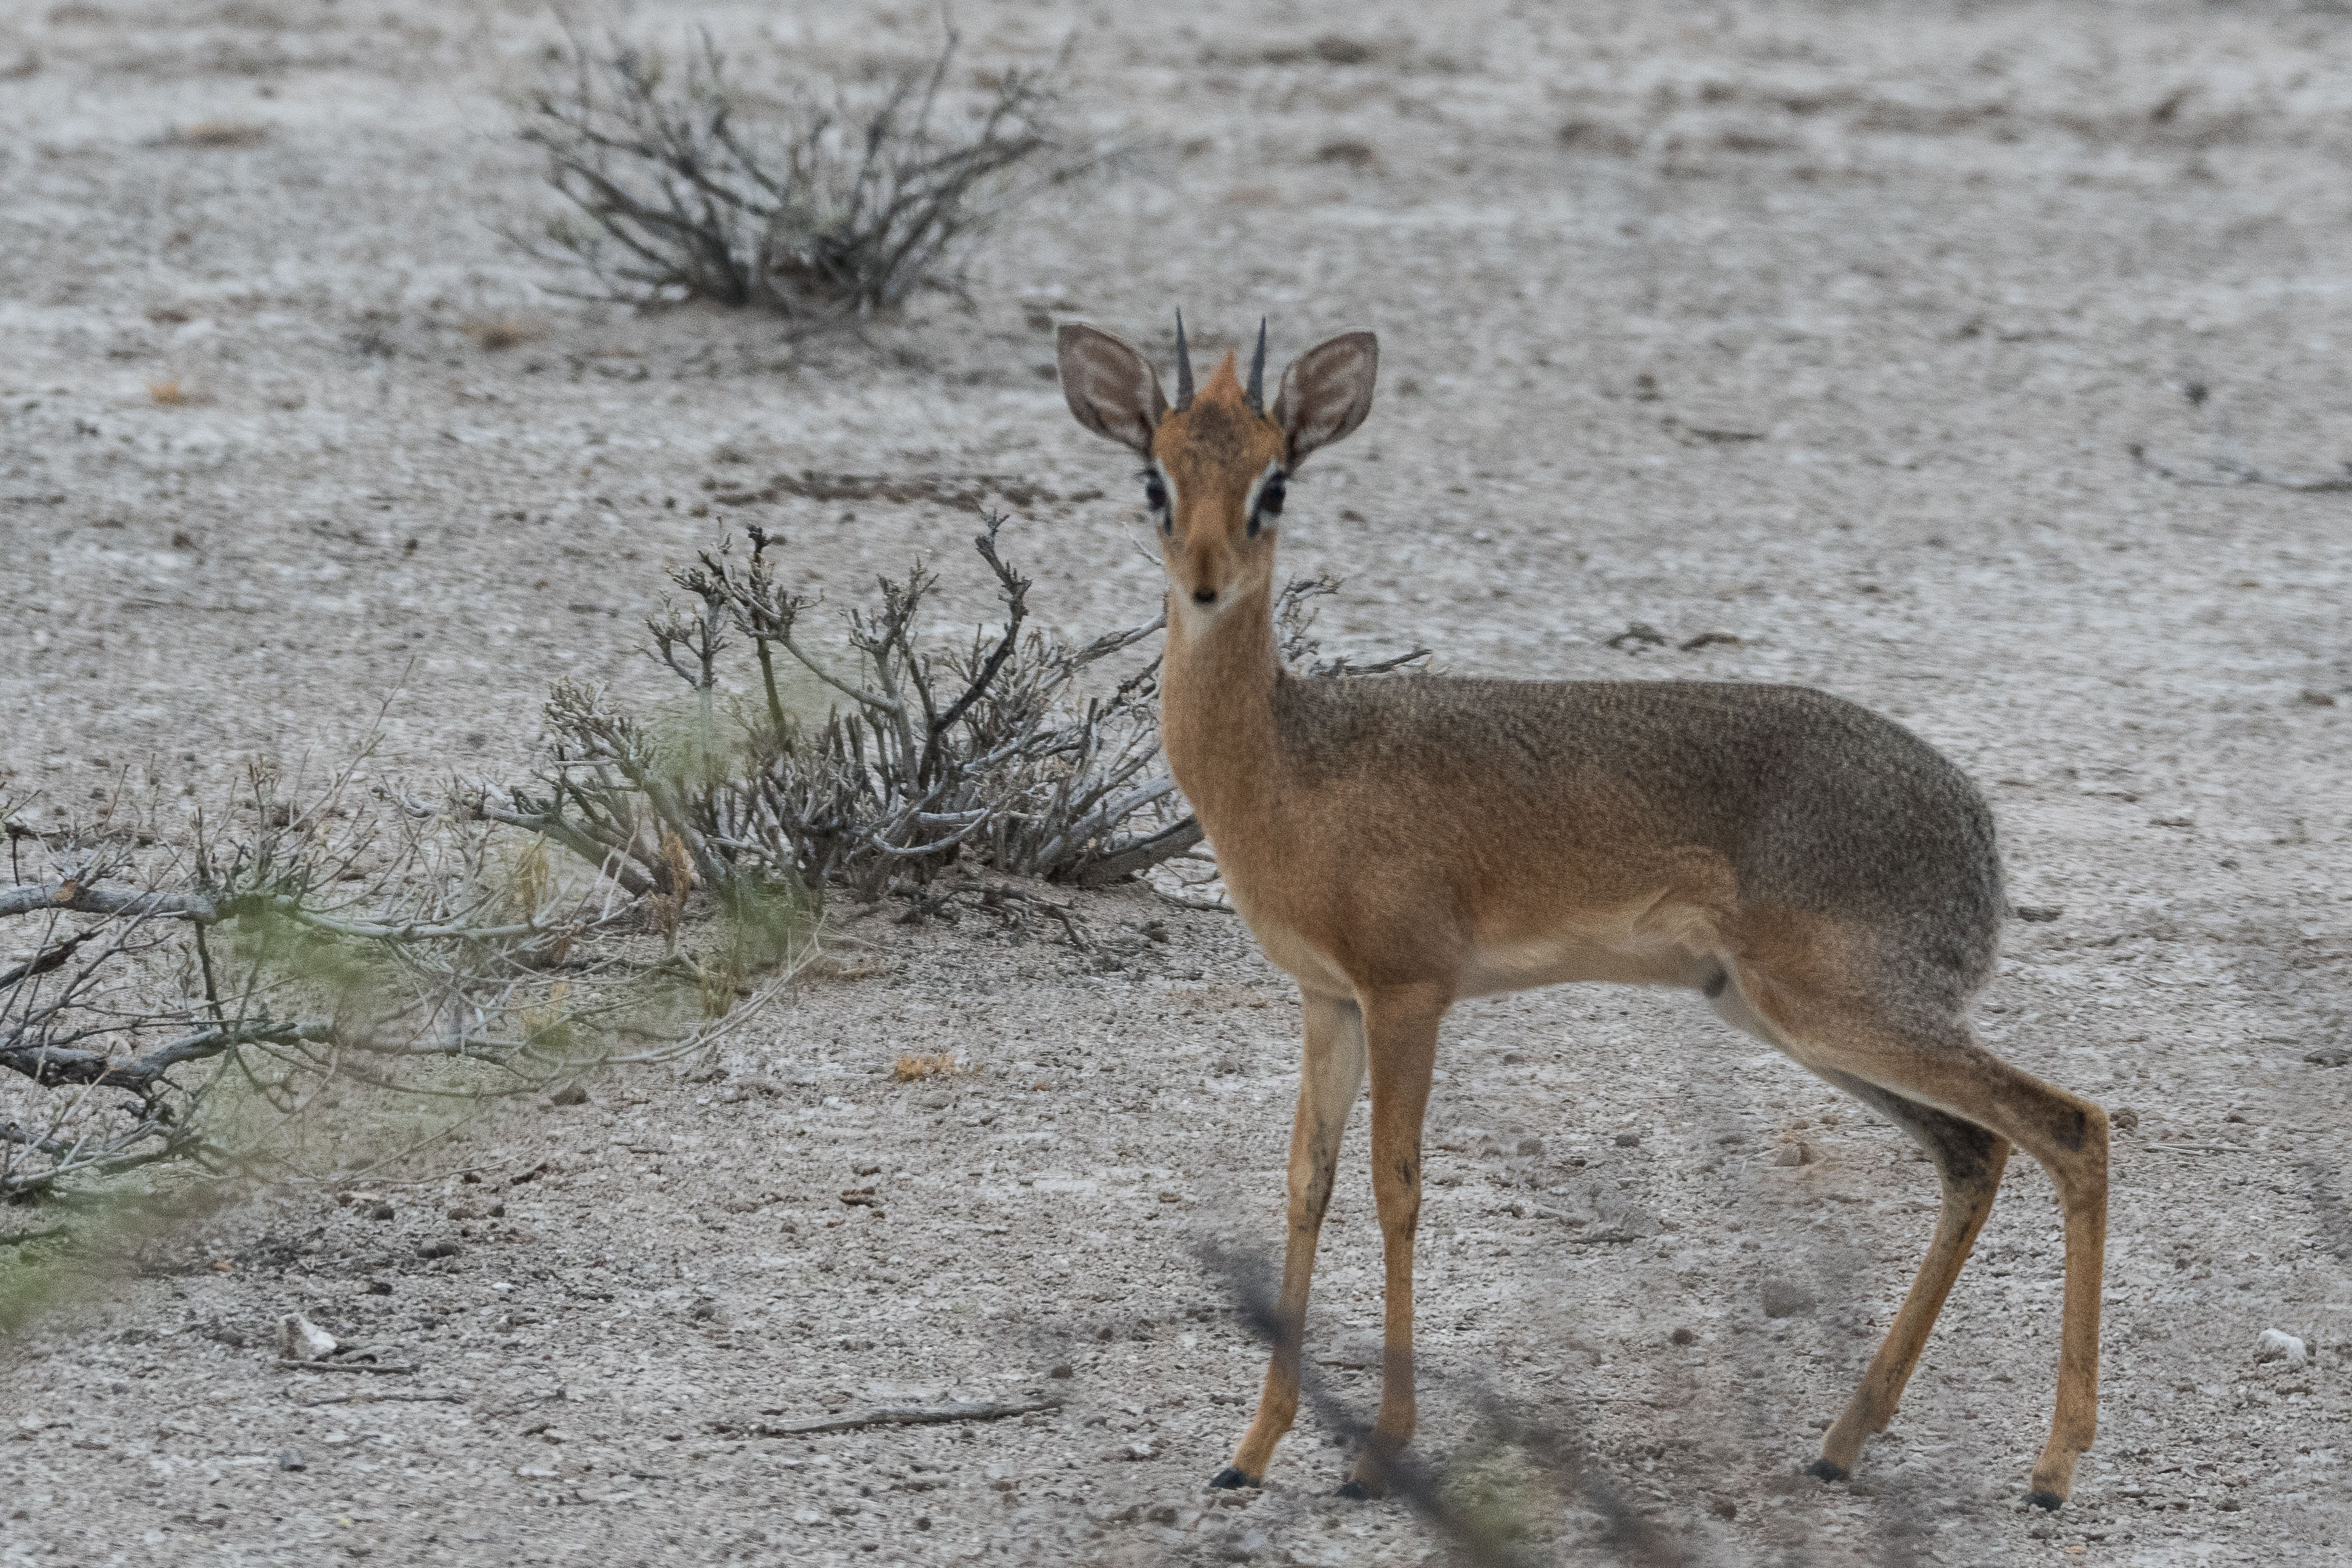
(1220,417)
(1224,387)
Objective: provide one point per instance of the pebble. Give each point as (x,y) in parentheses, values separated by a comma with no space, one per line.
(300,1339)
(1240,1545)
(2277,1344)
(1786,1298)
(1796,1154)
(1629,1140)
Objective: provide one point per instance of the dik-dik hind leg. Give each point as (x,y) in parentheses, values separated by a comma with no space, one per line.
(1332,1074)
(1945,1068)
(1970,1161)
(1401,1032)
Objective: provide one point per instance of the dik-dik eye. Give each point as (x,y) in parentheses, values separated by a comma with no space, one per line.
(1269,503)
(1155,496)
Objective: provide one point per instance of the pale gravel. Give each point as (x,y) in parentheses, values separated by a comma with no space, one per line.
(1943,263)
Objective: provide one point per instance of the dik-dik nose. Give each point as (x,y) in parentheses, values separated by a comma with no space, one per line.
(1204,596)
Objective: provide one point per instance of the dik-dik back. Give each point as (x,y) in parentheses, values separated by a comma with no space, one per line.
(1616,829)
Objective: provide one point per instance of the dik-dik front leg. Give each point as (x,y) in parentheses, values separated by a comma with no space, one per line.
(1328,1083)
(1400,1035)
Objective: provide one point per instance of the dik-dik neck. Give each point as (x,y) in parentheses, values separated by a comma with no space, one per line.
(1217,708)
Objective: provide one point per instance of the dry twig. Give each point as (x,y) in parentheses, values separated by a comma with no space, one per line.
(901,1416)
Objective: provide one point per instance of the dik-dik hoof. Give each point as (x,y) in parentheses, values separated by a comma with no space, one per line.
(1821,1469)
(1357,1492)
(2049,1499)
(1232,1480)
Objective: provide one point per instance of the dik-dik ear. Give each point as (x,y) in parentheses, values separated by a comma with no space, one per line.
(1326,393)
(1112,389)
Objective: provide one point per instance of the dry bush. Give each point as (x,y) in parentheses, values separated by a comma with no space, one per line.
(823,200)
(200,997)
(917,1068)
(1009,749)
(918,756)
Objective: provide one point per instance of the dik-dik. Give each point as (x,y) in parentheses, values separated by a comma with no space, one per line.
(1821,875)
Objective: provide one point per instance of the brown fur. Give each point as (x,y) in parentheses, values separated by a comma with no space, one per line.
(1825,878)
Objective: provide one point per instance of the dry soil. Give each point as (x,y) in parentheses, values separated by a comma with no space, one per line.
(1828,329)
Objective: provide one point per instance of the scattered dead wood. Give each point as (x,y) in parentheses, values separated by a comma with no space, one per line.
(897,1415)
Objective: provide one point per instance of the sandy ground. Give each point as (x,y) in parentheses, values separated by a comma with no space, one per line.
(1825,328)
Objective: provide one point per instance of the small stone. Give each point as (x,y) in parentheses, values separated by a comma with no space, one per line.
(570,1095)
(2124,1120)
(1724,1507)
(1683,1336)
(1793,1154)
(378,1212)
(2317,698)
(1786,1298)
(1532,1148)
(1165,1513)
(2039,913)
(1240,1545)
(292,1459)
(1138,1450)
(300,1339)
(1062,1369)
(1512,1059)
(2329,1056)
(1628,1140)
(379,1288)
(2277,1344)
(441,1248)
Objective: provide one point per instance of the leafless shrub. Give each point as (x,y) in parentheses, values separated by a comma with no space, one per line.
(189,998)
(921,755)
(819,201)
(1005,749)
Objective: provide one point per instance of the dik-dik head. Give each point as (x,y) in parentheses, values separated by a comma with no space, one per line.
(1218,459)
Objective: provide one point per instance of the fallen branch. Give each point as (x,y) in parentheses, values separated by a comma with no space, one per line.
(901,1416)
(389,1369)
(74,898)
(365,1396)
